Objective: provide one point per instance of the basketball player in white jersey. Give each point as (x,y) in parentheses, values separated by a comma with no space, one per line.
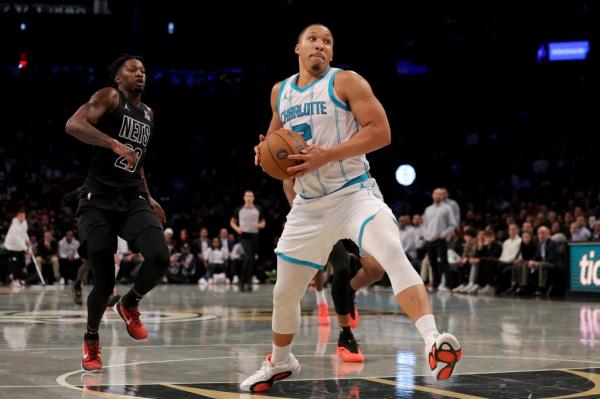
(340,118)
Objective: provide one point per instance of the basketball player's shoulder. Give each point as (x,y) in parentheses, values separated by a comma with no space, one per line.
(107,96)
(276,87)
(348,77)
(348,83)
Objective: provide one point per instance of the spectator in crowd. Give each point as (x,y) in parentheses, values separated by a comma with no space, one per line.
(171,244)
(488,263)
(215,259)
(527,252)
(17,244)
(68,257)
(453,206)
(579,230)
(408,238)
(596,232)
(438,225)
(510,251)
(201,244)
(184,238)
(467,272)
(226,241)
(47,254)
(236,259)
(557,235)
(546,258)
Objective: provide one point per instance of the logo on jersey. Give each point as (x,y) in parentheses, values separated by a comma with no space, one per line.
(309,108)
(134,130)
(146,115)
(125,108)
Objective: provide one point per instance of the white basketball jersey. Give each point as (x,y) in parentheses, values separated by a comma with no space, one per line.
(317,113)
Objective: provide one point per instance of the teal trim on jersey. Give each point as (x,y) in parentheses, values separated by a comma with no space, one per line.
(362,178)
(301,187)
(337,128)
(362,230)
(308,86)
(299,261)
(312,95)
(396,221)
(334,99)
(279,94)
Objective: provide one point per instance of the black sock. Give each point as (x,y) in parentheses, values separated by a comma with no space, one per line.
(345,330)
(130,300)
(91,335)
(77,285)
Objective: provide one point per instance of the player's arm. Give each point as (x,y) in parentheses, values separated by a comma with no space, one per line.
(374,133)
(275,120)
(234,225)
(81,124)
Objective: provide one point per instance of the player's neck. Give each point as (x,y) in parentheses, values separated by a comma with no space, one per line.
(134,98)
(308,76)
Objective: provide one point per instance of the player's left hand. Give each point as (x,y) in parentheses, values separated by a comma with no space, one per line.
(312,157)
(158,210)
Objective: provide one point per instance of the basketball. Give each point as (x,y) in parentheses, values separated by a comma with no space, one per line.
(274,151)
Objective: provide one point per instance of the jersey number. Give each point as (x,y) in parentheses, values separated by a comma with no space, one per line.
(304,129)
(121,162)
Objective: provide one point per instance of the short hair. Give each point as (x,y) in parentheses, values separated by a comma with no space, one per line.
(489,233)
(303,31)
(248,191)
(471,233)
(114,67)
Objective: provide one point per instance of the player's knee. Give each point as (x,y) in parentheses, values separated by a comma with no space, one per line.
(159,257)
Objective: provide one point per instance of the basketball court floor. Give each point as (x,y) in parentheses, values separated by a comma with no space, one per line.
(202,343)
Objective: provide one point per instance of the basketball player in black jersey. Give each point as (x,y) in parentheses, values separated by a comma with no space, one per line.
(115,199)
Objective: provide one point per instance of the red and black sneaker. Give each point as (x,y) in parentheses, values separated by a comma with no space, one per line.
(134,325)
(348,349)
(92,361)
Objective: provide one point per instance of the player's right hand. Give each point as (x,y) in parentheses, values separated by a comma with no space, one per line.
(261,138)
(127,153)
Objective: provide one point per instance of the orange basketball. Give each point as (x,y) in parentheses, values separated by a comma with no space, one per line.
(274,151)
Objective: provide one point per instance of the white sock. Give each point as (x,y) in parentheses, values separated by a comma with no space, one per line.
(427,328)
(280,354)
(320,296)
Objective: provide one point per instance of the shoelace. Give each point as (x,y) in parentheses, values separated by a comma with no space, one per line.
(93,351)
(135,317)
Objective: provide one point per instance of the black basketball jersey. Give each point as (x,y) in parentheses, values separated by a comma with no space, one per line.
(132,126)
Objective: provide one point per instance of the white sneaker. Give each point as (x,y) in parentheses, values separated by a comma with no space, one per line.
(474,289)
(255,280)
(62,281)
(487,290)
(466,288)
(202,281)
(443,352)
(459,289)
(443,288)
(15,284)
(236,280)
(268,374)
